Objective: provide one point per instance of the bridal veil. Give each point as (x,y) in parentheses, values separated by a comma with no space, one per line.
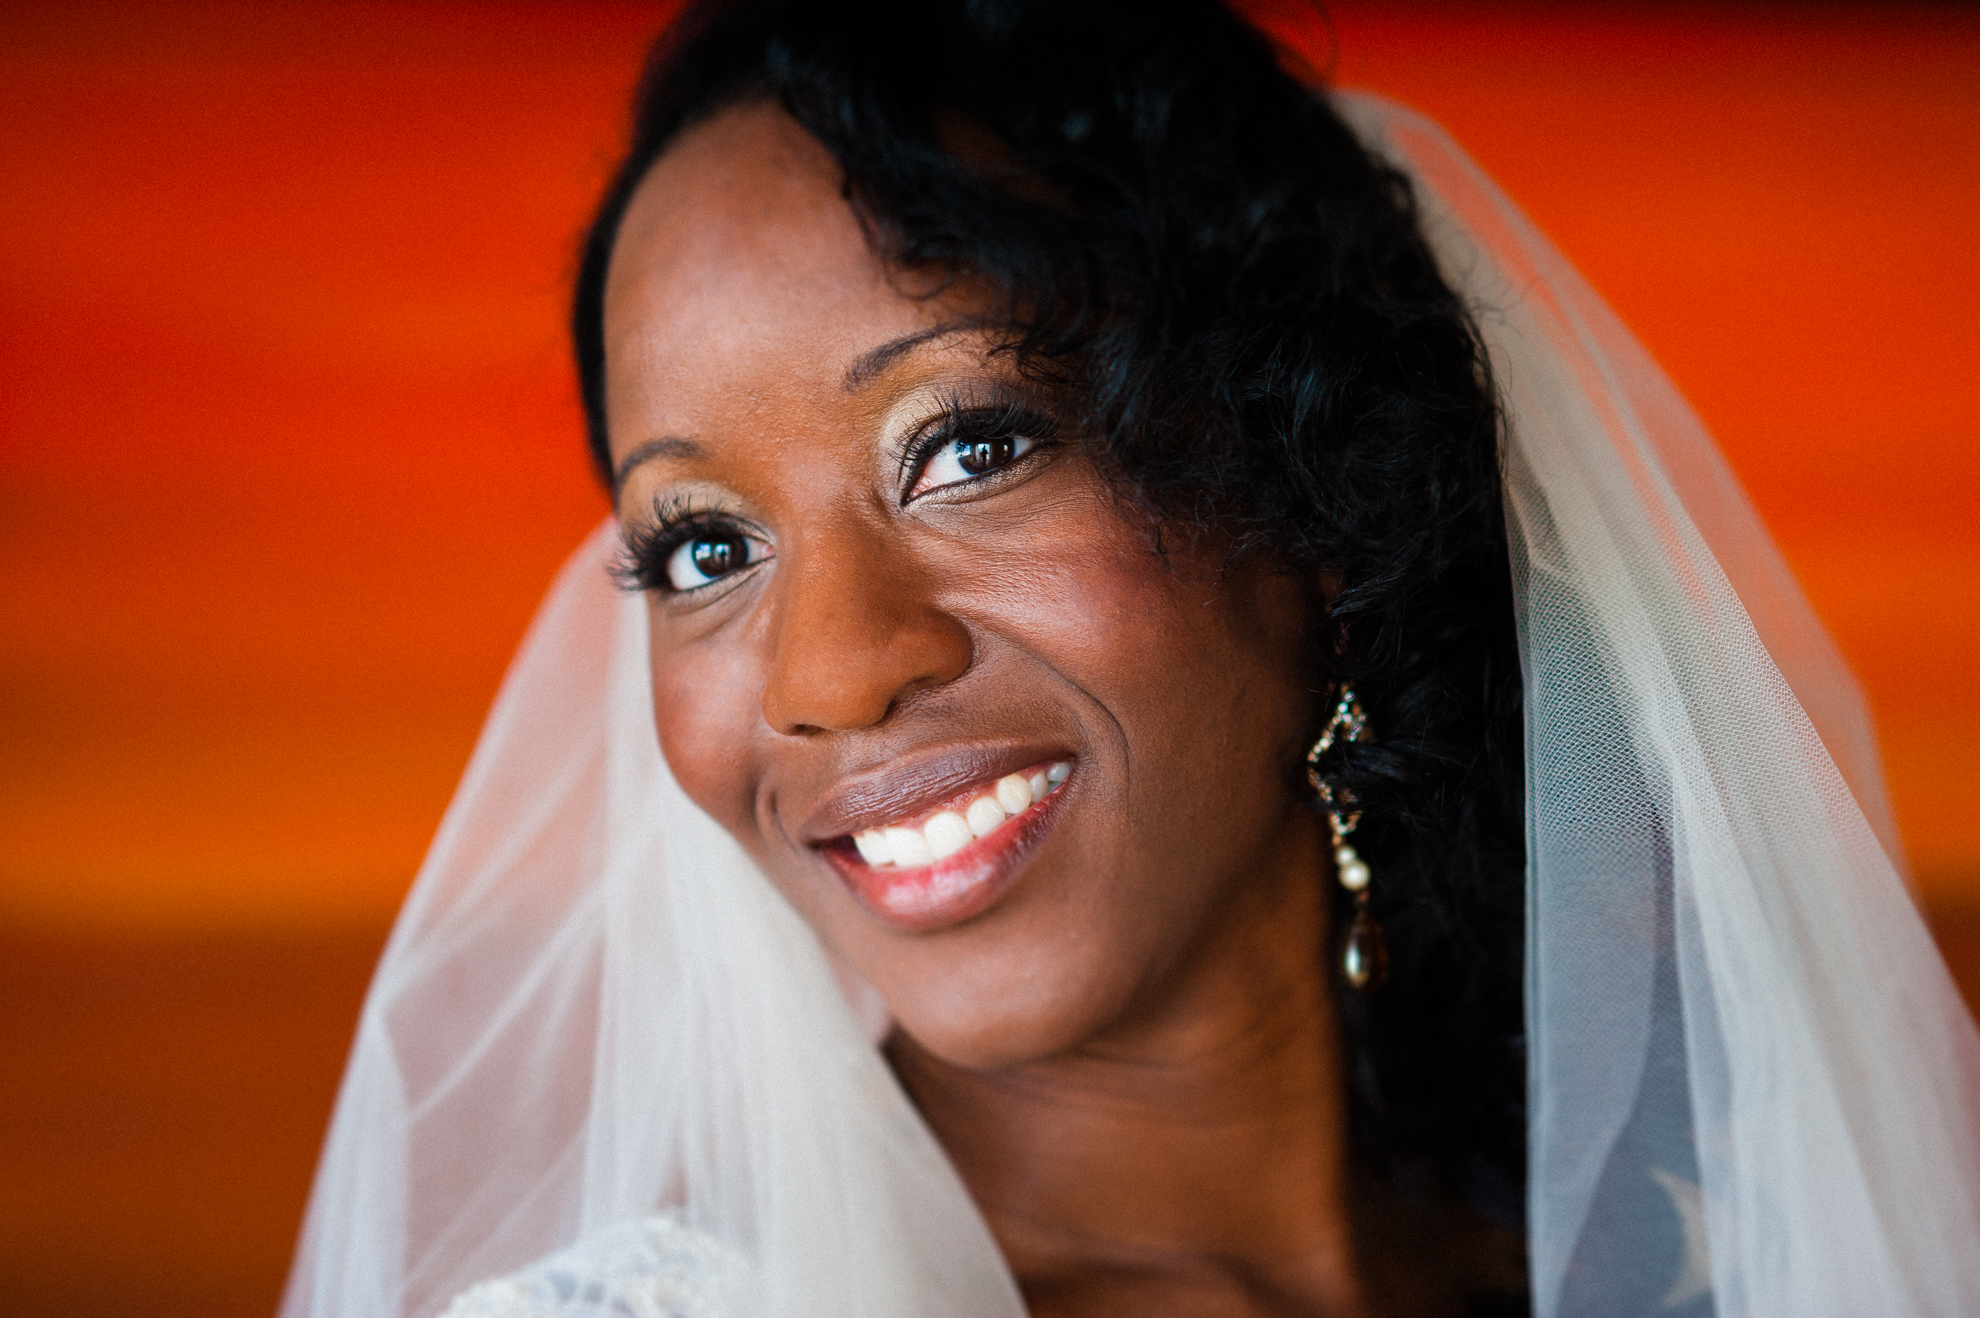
(1753,1087)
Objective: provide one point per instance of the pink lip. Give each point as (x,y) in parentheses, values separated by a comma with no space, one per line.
(955,888)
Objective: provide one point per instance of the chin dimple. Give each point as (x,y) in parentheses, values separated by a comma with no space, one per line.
(943,834)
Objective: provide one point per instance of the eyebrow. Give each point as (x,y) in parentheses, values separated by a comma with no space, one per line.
(651,449)
(866,368)
(873,363)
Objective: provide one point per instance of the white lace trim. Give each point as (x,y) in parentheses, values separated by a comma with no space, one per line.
(651,1268)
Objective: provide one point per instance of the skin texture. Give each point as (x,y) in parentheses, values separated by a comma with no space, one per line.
(1131,1054)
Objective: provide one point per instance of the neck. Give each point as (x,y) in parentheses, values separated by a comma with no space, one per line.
(1198,1147)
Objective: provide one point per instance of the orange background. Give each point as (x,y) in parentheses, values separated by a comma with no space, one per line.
(290,449)
(288,452)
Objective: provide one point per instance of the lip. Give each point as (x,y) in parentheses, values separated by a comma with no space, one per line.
(915,783)
(957,887)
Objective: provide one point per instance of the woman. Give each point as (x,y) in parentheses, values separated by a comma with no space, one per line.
(1177,619)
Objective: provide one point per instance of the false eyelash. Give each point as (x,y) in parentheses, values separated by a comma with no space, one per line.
(646,549)
(1000,413)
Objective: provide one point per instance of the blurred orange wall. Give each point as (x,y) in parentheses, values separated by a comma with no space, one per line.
(288,448)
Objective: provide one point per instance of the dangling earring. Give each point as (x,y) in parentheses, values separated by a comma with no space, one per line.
(1364,956)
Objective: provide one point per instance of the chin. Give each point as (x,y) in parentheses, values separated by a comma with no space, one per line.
(965,1035)
(1008,997)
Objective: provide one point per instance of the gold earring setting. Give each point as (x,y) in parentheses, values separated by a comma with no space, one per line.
(1364,954)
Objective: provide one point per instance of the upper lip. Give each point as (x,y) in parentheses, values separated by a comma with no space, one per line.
(913,782)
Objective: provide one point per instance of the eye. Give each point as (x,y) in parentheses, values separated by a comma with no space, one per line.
(708,556)
(969,457)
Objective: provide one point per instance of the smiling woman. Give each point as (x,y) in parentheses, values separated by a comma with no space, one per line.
(896,641)
(1189,727)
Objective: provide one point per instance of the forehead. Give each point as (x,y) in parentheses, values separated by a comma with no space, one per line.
(740,267)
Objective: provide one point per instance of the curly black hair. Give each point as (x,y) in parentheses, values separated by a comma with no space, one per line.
(1190,242)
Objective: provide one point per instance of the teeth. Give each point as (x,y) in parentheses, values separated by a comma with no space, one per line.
(984,815)
(873,848)
(910,847)
(949,832)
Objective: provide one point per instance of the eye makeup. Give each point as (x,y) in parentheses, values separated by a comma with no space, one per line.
(969,439)
(973,437)
(685,546)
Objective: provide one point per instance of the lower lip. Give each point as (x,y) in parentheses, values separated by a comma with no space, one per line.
(955,888)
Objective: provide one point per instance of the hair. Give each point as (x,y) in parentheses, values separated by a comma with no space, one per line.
(1188,241)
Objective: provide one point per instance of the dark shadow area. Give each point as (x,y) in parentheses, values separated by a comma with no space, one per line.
(1956,924)
(160,1110)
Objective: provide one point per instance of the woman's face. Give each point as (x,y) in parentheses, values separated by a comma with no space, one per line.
(1010,763)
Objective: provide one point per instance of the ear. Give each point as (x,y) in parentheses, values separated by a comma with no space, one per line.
(1323,587)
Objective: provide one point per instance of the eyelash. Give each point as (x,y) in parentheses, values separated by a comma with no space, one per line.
(960,419)
(649,548)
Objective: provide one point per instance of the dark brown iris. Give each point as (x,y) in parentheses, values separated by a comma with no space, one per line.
(719,555)
(980,455)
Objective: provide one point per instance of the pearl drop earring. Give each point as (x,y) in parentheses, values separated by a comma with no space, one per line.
(1364,955)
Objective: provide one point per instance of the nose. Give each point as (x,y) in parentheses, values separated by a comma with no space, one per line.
(856,631)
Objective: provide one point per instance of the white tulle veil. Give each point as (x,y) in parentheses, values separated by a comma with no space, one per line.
(1753,1085)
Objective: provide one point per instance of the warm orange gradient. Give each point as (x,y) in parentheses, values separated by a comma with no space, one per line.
(290,450)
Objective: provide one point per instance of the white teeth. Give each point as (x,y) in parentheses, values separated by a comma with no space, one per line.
(984,815)
(910,847)
(873,848)
(947,833)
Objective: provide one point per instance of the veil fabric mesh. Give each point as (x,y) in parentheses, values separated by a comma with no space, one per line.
(1752,1085)
(1738,1023)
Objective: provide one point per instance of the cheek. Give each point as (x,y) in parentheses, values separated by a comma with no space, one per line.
(1206,679)
(707,709)
(1206,689)
(1192,694)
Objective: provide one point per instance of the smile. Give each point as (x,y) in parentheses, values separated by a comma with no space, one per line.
(943,865)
